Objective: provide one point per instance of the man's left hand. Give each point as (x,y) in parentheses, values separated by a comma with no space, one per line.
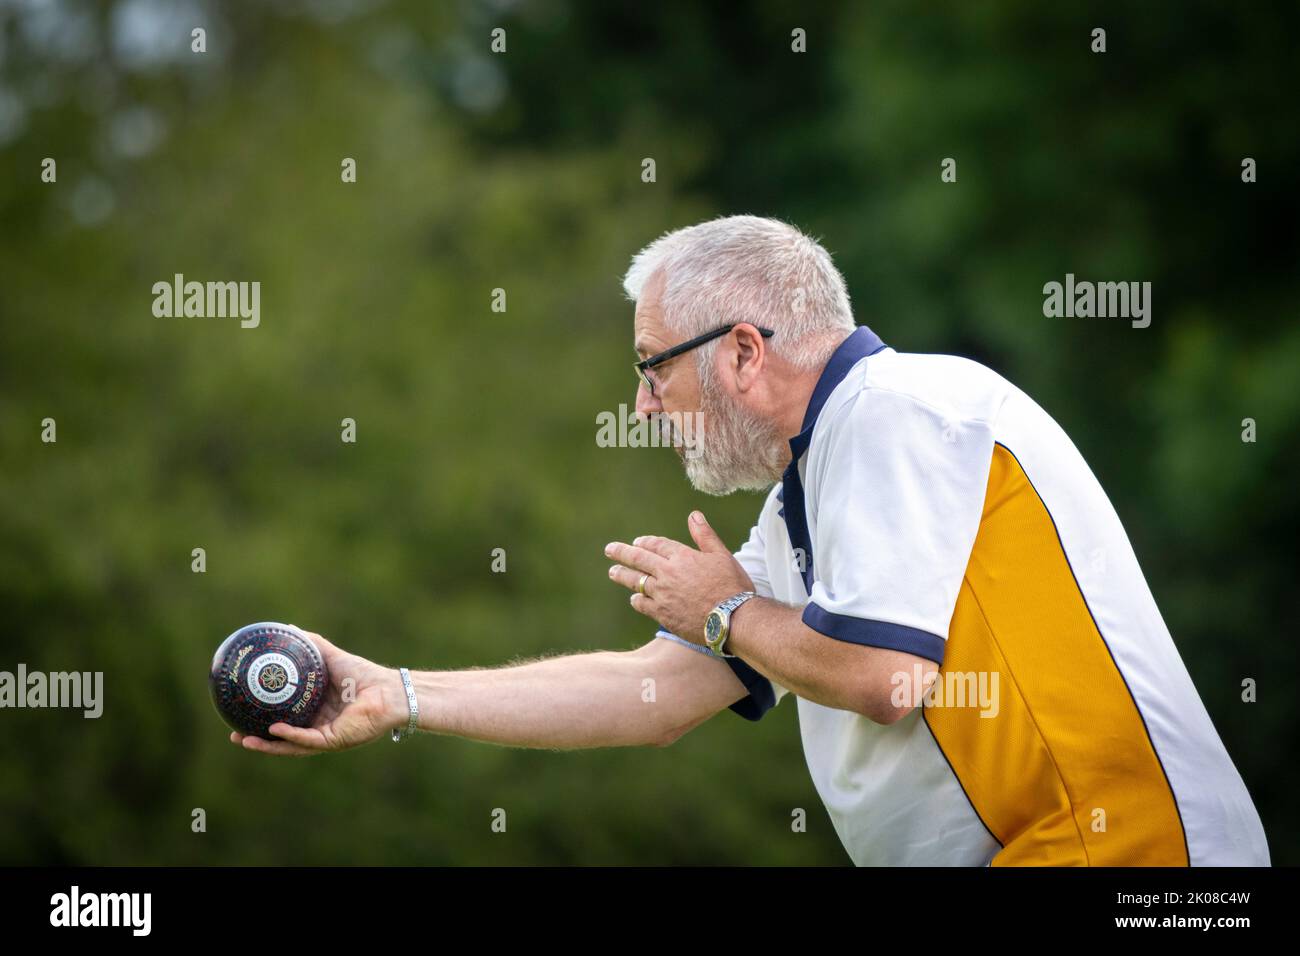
(684,585)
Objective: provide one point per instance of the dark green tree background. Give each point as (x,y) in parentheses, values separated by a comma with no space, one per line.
(476,429)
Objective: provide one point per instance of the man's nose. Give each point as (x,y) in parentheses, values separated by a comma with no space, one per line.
(647,404)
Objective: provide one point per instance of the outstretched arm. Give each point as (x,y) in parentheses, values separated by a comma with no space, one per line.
(646,697)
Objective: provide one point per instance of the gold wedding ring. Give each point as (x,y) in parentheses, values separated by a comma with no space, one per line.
(640,585)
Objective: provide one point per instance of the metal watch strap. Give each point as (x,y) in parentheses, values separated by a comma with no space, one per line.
(727,607)
(736,600)
(411,701)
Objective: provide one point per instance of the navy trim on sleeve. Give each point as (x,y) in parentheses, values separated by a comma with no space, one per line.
(762,697)
(857,630)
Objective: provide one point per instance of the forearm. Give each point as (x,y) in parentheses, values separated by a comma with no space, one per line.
(560,703)
(772,638)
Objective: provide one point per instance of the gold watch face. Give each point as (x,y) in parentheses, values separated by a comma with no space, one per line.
(713,627)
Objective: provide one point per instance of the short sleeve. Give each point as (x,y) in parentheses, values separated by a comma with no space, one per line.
(895,492)
(764,694)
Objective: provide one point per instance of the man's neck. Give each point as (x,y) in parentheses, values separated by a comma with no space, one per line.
(797,394)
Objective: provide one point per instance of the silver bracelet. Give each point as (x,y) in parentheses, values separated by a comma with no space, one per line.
(411,701)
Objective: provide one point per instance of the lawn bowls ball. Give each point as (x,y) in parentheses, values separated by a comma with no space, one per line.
(264,674)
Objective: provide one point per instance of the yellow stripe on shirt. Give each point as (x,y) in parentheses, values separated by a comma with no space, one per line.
(1065,774)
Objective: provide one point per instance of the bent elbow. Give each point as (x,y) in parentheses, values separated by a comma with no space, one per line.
(880,708)
(889,714)
(888,701)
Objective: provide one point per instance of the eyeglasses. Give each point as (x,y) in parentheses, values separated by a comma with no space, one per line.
(677,350)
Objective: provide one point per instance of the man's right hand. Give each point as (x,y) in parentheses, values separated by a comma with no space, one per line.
(375,704)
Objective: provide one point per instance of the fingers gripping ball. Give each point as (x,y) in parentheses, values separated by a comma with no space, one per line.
(266,673)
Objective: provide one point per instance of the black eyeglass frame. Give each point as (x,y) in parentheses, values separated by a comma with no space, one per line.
(686,346)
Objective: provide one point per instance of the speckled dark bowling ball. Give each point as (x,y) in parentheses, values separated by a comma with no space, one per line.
(266,673)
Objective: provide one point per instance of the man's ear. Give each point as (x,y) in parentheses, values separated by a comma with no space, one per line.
(751,355)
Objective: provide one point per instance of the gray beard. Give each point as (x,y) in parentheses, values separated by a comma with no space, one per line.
(738,451)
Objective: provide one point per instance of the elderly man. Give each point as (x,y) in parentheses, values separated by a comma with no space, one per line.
(982,674)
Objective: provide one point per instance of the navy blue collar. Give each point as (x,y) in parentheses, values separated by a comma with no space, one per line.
(861,343)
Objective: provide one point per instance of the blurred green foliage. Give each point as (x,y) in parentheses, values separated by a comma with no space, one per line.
(476,429)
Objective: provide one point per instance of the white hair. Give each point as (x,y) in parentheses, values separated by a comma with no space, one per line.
(749,269)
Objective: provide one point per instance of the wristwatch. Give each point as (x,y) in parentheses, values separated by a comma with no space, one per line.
(717,626)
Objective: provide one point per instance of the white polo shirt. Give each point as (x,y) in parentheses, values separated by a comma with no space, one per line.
(932,507)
